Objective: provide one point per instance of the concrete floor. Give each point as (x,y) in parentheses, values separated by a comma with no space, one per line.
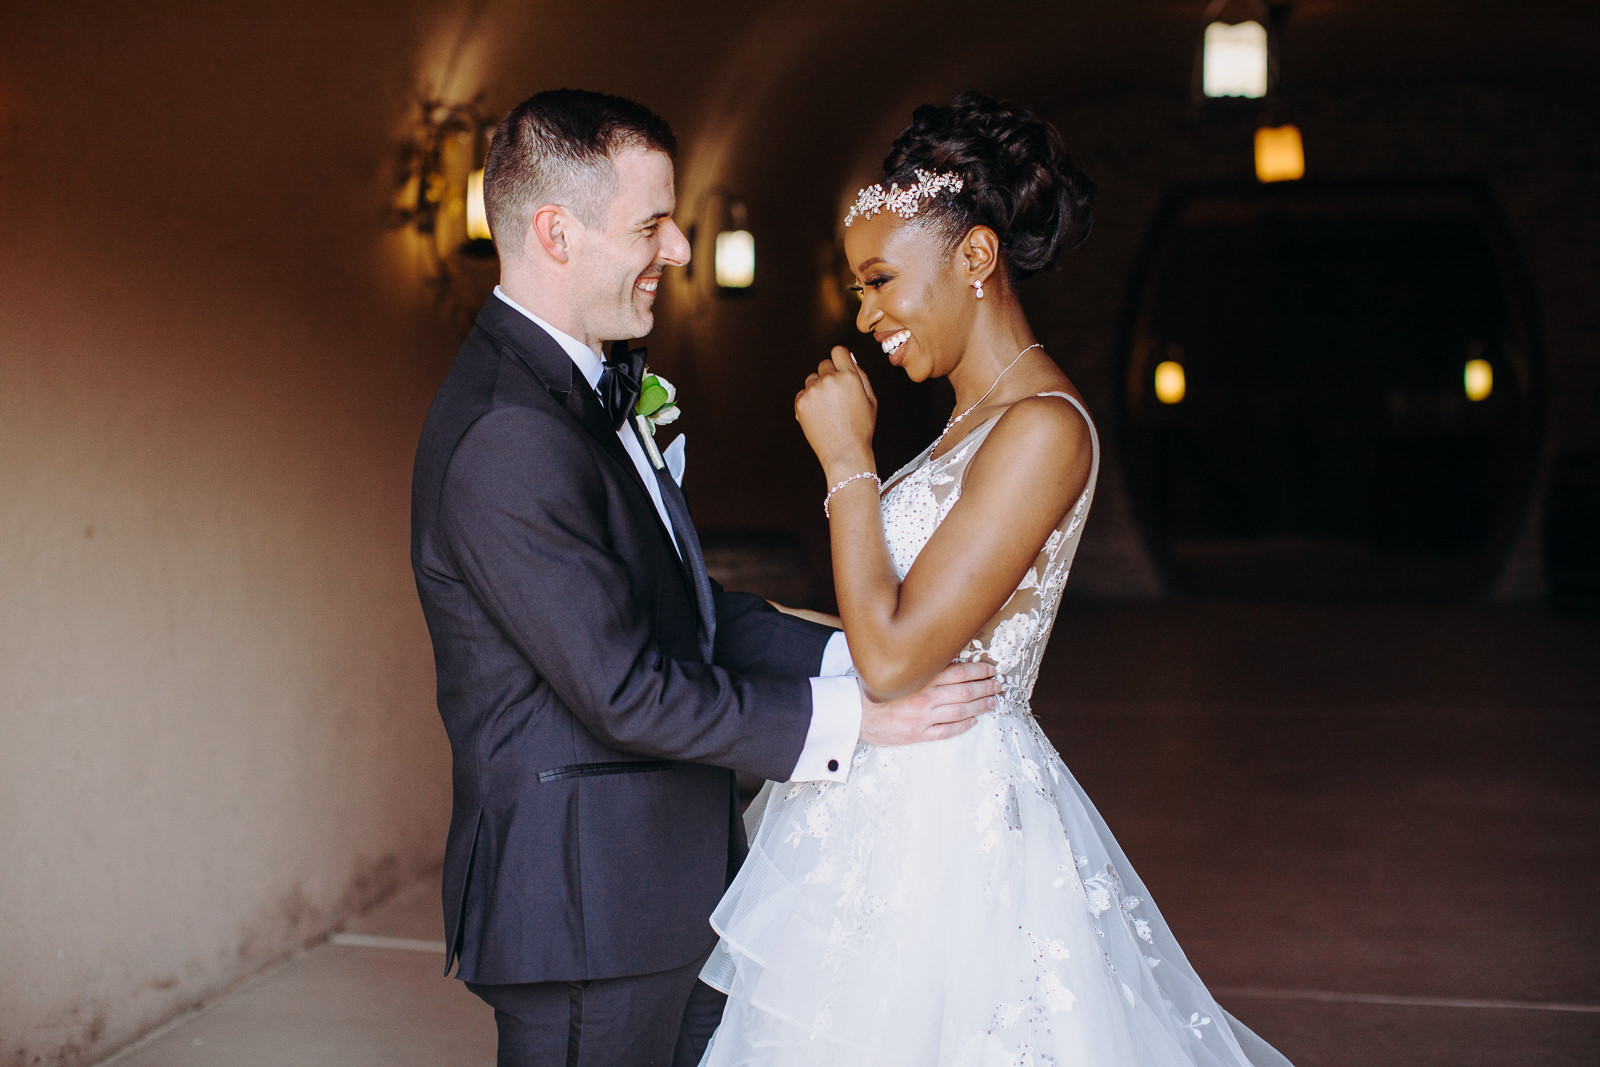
(1375,830)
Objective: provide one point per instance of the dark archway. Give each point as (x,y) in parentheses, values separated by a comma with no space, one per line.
(1327,442)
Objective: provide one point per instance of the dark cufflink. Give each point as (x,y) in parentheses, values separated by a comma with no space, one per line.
(833,765)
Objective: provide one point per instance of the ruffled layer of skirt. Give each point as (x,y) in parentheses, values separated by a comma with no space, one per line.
(954,903)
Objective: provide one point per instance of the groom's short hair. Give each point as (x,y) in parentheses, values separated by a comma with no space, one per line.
(555,148)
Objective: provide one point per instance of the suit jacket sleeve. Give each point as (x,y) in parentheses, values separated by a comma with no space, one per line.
(534,547)
(756,638)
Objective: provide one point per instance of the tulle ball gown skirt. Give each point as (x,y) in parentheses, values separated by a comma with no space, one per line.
(961,904)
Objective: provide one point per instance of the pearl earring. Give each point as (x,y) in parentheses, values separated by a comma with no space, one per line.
(978,285)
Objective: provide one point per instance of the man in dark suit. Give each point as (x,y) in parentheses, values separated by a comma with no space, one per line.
(596,686)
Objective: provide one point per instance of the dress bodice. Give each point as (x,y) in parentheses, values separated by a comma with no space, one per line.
(917,500)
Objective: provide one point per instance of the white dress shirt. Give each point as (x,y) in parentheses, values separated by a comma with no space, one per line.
(835,695)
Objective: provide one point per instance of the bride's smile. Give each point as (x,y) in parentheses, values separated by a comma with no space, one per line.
(891,344)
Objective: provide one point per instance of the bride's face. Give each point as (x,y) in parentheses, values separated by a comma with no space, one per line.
(913,301)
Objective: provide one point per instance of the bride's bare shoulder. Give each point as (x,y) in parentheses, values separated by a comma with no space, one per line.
(1047,421)
(1044,438)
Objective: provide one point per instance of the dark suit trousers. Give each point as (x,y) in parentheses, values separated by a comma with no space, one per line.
(649,1020)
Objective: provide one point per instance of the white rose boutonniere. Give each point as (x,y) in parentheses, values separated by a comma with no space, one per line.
(657,406)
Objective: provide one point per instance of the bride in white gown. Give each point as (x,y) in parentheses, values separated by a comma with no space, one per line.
(958,902)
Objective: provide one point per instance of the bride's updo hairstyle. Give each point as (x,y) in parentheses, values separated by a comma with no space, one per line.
(1017,179)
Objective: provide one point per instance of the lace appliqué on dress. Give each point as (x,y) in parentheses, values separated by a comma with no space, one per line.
(919,498)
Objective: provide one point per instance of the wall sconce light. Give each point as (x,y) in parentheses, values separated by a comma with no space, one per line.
(1477,379)
(1280,156)
(479,242)
(1238,56)
(1234,59)
(439,197)
(733,246)
(1240,64)
(736,259)
(1171,382)
(735,254)
(441,168)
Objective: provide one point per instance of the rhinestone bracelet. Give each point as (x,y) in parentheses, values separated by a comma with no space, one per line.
(844,482)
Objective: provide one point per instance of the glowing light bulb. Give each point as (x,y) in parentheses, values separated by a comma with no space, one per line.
(1234,62)
(1280,154)
(1171,383)
(736,259)
(1478,379)
(477,217)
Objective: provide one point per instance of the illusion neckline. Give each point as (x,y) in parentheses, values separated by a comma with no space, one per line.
(986,420)
(925,459)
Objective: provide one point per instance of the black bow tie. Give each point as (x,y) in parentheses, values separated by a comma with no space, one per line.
(620,382)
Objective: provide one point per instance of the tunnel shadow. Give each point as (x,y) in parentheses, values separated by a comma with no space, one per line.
(1331,392)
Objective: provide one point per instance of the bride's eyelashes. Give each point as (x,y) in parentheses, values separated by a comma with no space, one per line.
(875,283)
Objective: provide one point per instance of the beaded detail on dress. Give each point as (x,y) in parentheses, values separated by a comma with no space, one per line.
(919,497)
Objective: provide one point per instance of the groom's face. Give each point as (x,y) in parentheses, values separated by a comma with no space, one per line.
(618,263)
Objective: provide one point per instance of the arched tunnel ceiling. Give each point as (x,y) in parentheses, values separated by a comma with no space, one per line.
(843,73)
(684,50)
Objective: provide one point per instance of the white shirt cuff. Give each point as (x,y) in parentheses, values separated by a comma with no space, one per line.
(835,728)
(836,657)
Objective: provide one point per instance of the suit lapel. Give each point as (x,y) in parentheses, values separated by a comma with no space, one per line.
(693,558)
(586,407)
(524,341)
(549,363)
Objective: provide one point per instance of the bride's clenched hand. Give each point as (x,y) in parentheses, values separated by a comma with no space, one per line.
(837,410)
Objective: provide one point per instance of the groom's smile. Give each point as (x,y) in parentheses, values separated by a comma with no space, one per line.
(623,260)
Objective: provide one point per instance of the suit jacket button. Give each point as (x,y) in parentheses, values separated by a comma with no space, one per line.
(833,765)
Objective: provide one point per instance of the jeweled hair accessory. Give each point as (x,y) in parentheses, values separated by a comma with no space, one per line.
(906,200)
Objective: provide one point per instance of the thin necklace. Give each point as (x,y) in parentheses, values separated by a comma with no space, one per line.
(957,418)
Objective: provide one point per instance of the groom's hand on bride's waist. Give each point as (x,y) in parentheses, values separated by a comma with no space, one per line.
(946,706)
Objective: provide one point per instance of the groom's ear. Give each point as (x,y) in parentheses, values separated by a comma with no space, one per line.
(549,227)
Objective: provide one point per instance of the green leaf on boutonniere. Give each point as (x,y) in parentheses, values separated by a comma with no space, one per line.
(651,397)
(657,401)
